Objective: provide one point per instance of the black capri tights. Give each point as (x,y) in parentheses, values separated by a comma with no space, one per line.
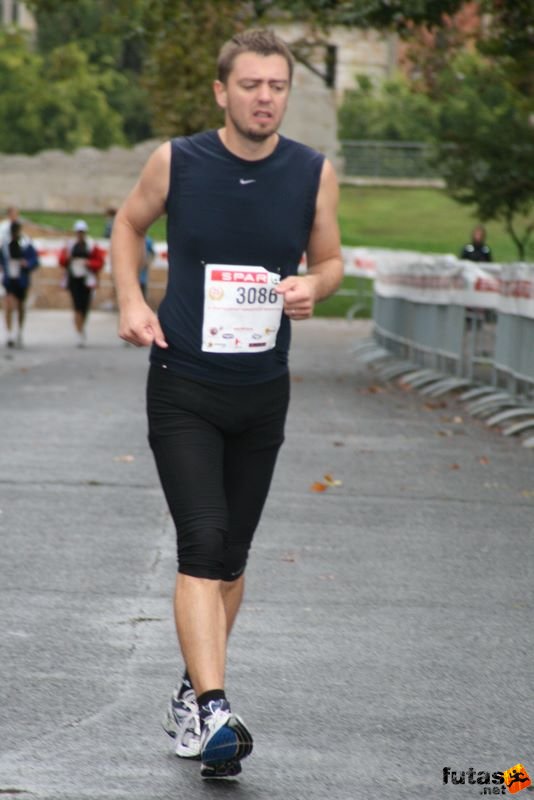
(215,449)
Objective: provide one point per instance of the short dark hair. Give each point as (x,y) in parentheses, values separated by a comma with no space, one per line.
(256,40)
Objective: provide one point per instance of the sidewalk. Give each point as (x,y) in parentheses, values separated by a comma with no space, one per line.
(387,629)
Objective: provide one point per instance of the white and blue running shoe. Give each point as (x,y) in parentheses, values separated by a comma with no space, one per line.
(182,723)
(224,742)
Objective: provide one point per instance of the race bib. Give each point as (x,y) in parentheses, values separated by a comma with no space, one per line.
(14,268)
(242,310)
(78,268)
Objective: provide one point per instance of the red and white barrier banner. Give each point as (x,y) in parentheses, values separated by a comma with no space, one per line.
(359,261)
(49,250)
(405,274)
(516,294)
(441,280)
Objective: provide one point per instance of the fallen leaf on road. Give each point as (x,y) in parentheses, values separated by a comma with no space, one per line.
(124,459)
(330,481)
(289,558)
(322,486)
(483,460)
(454,466)
(374,389)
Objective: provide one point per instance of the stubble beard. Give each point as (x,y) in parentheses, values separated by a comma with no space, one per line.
(252,135)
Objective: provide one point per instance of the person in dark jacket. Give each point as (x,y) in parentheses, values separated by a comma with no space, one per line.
(477,249)
(18,257)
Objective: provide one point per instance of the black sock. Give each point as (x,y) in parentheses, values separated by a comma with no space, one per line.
(205,698)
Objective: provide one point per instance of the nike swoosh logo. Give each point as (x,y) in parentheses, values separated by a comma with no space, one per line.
(242,181)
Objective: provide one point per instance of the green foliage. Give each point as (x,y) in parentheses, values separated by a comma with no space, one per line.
(184,40)
(110,33)
(55,103)
(384,13)
(393,112)
(510,41)
(486,143)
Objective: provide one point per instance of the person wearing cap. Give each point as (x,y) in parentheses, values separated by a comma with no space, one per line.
(18,257)
(82,260)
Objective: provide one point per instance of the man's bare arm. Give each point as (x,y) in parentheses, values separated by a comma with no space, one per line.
(324,259)
(138,324)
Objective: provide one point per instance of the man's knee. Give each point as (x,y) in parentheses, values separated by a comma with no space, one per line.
(201,553)
(206,554)
(235,561)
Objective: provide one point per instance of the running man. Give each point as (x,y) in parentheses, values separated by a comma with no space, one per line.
(243,204)
(18,258)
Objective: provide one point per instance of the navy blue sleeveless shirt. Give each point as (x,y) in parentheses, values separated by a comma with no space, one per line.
(222,209)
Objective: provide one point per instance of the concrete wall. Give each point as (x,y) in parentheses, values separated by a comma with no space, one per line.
(311,115)
(359,52)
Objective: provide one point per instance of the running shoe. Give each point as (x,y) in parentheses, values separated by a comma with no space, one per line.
(224,741)
(226,770)
(182,723)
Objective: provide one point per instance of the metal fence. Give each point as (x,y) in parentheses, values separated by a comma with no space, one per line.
(429,335)
(385,159)
(480,346)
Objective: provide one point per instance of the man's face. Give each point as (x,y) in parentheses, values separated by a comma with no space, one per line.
(255,95)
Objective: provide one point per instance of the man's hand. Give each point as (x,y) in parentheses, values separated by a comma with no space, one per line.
(140,326)
(299,295)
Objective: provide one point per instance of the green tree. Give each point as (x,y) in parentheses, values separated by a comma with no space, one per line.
(166,49)
(112,36)
(510,41)
(393,111)
(59,102)
(485,148)
(482,105)
(184,39)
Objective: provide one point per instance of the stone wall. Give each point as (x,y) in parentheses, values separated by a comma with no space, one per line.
(88,180)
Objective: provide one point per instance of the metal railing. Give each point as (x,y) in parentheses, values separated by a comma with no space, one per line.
(489,345)
(387,159)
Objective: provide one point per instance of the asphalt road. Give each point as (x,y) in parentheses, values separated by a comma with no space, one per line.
(387,629)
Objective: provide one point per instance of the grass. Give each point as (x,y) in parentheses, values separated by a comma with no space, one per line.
(425,220)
